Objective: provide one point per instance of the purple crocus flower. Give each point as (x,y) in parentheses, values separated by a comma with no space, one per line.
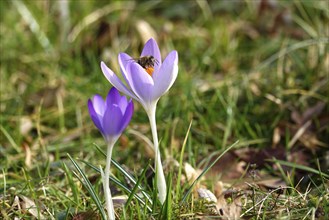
(144,87)
(146,80)
(111,116)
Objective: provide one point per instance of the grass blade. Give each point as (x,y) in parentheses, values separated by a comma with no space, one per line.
(86,183)
(127,190)
(124,172)
(71,183)
(10,139)
(133,191)
(301,167)
(167,208)
(178,186)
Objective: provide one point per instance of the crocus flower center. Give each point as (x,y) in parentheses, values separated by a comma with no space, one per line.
(147,62)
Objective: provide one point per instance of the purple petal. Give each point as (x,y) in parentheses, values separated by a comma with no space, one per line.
(99,104)
(124,60)
(151,48)
(94,116)
(166,76)
(113,97)
(128,114)
(141,83)
(123,104)
(112,121)
(115,81)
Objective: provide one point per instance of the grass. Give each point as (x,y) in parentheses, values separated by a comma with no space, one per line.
(256,75)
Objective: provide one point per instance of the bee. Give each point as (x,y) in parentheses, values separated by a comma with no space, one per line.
(147,62)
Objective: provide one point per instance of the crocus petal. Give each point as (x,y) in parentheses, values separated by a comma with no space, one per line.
(113,97)
(112,121)
(128,114)
(141,83)
(115,81)
(166,76)
(151,48)
(124,59)
(122,103)
(94,117)
(99,104)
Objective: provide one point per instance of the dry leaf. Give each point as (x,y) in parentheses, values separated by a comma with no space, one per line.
(31,207)
(299,133)
(207,195)
(210,198)
(229,210)
(16,203)
(271,183)
(311,142)
(227,168)
(191,173)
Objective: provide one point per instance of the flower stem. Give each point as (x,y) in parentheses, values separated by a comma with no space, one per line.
(106,182)
(160,178)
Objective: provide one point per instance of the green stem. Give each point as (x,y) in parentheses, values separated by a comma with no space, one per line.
(106,182)
(160,178)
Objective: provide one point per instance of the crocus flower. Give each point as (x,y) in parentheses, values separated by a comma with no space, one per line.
(111,117)
(144,87)
(146,83)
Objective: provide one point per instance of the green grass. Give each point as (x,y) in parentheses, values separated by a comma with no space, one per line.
(256,77)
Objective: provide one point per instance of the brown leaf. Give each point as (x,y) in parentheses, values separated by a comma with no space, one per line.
(30,206)
(207,195)
(229,210)
(311,142)
(270,183)
(301,130)
(228,167)
(16,203)
(191,173)
(259,156)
